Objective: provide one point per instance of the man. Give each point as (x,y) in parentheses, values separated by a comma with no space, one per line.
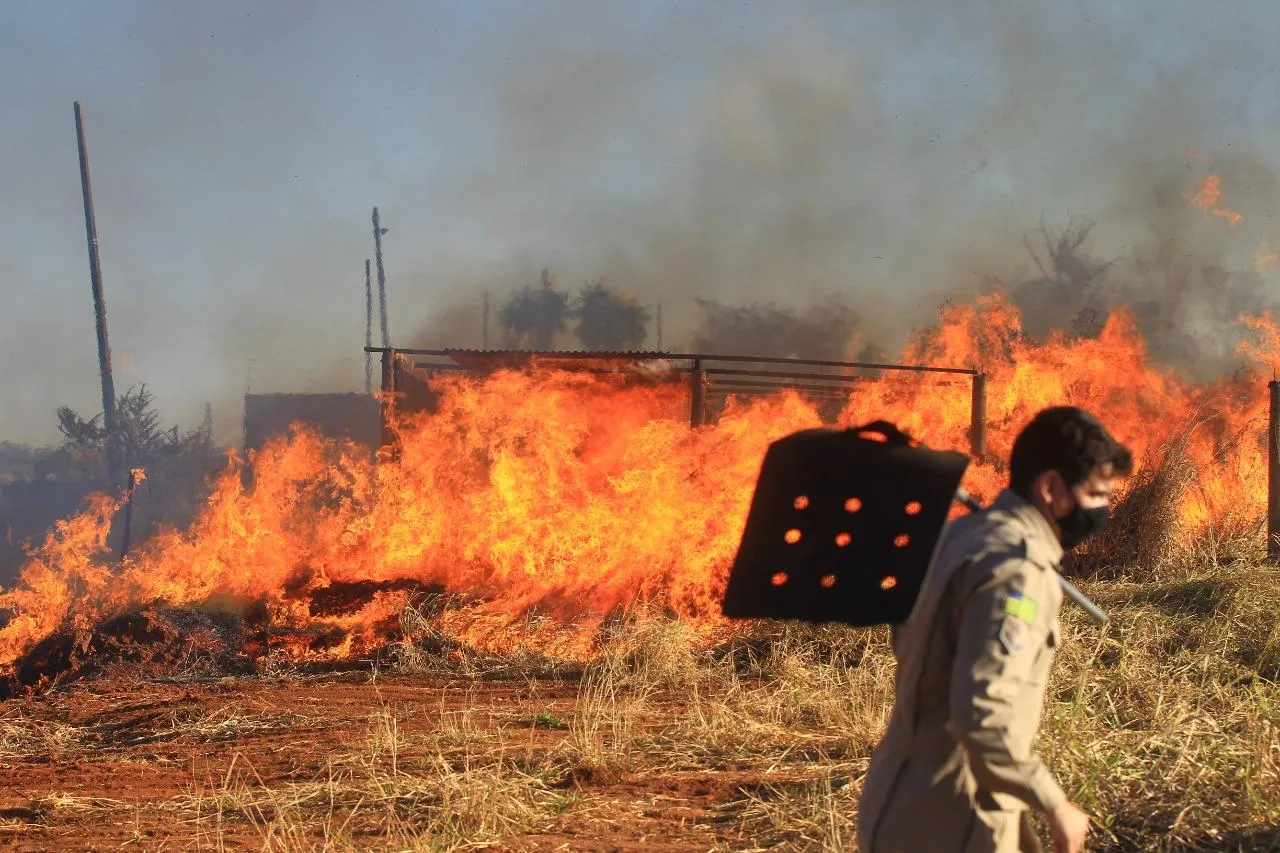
(956,769)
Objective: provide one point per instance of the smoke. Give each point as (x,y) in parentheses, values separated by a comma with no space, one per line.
(888,156)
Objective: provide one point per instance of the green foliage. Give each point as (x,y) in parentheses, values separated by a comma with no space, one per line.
(178,464)
(609,319)
(532,318)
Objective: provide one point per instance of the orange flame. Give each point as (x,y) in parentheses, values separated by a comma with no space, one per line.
(1207,197)
(572,495)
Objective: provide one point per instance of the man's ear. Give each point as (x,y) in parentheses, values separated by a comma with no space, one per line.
(1044,486)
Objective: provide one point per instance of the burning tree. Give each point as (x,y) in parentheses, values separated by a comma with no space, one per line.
(1067,286)
(532,318)
(178,464)
(609,319)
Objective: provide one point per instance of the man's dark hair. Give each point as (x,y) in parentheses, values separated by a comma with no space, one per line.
(1067,440)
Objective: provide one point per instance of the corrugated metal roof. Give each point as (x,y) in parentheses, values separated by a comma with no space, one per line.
(610,354)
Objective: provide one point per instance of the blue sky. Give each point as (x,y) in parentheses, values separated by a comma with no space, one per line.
(889,153)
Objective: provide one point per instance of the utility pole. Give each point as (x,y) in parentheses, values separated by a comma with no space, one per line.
(368,329)
(484,338)
(99,307)
(378,231)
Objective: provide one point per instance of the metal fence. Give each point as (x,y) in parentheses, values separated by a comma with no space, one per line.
(709,377)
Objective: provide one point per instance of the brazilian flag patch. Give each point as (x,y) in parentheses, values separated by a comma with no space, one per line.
(1022,606)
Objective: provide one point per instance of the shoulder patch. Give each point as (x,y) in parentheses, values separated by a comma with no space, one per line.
(1014,634)
(1021,606)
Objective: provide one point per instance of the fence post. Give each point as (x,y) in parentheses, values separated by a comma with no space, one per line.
(388,410)
(697,395)
(1273,475)
(978,418)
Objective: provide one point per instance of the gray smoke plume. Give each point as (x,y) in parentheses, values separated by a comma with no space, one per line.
(887,155)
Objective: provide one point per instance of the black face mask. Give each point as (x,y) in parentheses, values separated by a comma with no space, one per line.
(1079,524)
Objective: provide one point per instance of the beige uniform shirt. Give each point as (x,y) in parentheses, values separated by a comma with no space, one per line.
(956,769)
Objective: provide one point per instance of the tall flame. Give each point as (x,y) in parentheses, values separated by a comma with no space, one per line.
(572,494)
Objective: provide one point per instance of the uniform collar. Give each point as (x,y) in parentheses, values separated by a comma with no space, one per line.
(1043,546)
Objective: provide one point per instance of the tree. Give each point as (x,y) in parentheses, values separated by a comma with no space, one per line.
(1067,286)
(178,464)
(826,330)
(532,318)
(138,440)
(609,319)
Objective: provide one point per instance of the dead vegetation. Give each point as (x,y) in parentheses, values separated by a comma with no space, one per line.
(1165,725)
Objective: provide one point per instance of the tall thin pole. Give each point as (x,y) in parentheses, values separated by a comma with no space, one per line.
(99,305)
(484,336)
(697,395)
(1273,474)
(378,231)
(368,328)
(978,418)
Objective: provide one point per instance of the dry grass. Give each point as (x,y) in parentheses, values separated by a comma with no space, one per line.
(26,738)
(453,789)
(1165,724)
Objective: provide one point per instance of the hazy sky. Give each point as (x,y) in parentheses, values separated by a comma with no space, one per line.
(888,152)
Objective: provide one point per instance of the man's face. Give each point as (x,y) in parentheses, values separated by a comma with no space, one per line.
(1093,491)
(1054,498)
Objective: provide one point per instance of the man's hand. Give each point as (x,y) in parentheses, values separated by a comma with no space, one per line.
(1069,826)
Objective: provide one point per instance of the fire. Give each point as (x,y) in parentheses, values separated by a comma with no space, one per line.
(574,496)
(1207,197)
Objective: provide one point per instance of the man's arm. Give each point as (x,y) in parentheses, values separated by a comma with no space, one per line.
(1000,634)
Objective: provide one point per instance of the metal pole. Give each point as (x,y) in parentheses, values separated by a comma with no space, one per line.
(99,305)
(388,397)
(978,418)
(1273,475)
(378,231)
(697,395)
(368,329)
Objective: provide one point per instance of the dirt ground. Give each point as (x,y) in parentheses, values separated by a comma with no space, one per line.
(173,765)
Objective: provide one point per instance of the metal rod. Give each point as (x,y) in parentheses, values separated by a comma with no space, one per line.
(1273,474)
(99,306)
(746,386)
(667,356)
(697,395)
(781,374)
(378,231)
(387,411)
(978,418)
(368,329)
(1094,611)
(838,388)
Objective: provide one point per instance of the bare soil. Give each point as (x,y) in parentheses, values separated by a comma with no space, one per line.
(111,763)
